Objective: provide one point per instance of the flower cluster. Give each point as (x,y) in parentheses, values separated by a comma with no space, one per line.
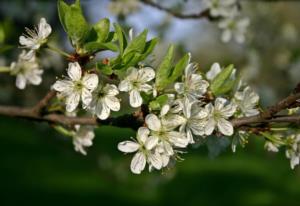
(187,115)
(26,69)
(231,22)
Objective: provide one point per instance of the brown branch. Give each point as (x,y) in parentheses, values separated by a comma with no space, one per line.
(44,102)
(202,14)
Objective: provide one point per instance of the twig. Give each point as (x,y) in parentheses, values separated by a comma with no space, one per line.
(44,102)
(202,14)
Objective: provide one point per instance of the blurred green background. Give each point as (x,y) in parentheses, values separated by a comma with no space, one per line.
(39,166)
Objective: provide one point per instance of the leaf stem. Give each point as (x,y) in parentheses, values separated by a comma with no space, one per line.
(4,69)
(57,50)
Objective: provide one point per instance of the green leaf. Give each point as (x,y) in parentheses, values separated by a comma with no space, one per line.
(121,38)
(73,21)
(137,44)
(102,29)
(105,69)
(158,102)
(164,69)
(149,47)
(222,83)
(92,47)
(179,68)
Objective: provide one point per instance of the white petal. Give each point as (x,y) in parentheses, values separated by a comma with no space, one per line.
(62,85)
(44,28)
(86,97)
(178,139)
(21,81)
(151,142)
(225,127)
(146,74)
(28,42)
(74,71)
(210,126)
(128,146)
(226,35)
(125,86)
(113,103)
(165,160)
(90,81)
(135,98)
(179,87)
(138,163)
(72,101)
(142,134)
(220,103)
(213,72)
(168,148)
(111,90)
(102,110)
(155,160)
(145,88)
(153,122)
(228,110)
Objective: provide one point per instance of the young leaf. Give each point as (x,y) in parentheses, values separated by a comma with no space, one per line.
(102,29)
(219,82)
(149,47)
(73,21)
(121,37)
(137,44)
(105,69)
(164,69)
(158,102)
(92,47)
(179,68)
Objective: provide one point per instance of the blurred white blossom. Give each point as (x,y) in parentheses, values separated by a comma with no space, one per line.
(36,37)
(26,69)
(83,137)
(247,101)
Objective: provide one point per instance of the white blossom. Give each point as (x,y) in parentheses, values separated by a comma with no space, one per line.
(76,87)
(123,7)
(136,82)
(218,115)
(271,146)
(104,100)
(219,8)
(293,151)
(247,101)
(83,137)
(193,86)
(162,131)
(145,151)
(215,69)
(26,69)
(195,120)
(234,27)
(36,37)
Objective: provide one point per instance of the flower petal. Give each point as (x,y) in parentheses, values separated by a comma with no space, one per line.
(210,126)
(135,98)
(225,127)
(21,81)
(111,90)
(74,71)
(146,74)
(44,28)
(62,85)
(128,146)
(155,160)
(178,139)
(125,86)
(142,134)
(151,142)
(86,97)
(138,163)
(102,110)
(214,71)
(90,81)
(72,101)
(113,103)
(153,122)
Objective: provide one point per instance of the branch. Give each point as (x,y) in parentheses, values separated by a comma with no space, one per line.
(202,14)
